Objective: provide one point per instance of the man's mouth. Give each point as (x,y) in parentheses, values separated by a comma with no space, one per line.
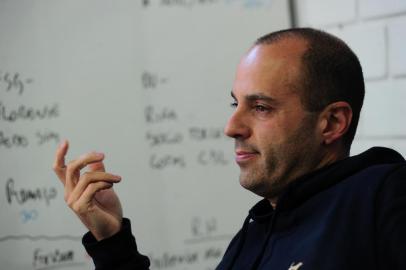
(243,156)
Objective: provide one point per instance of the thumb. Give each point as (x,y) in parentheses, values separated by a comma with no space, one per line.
(97,167)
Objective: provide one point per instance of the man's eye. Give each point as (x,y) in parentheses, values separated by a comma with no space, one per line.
(233,104)
(261,108)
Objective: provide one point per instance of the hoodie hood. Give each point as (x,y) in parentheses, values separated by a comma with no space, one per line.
(314,182)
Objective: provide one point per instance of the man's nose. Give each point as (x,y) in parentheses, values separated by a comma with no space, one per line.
(237,126)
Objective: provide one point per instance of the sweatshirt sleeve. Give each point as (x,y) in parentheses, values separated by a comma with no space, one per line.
(391,221)
(118,252)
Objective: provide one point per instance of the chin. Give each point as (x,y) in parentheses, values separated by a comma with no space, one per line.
(252,185)
(260,186)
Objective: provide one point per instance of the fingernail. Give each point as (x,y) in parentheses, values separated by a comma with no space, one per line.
(99,154)
(118,177)
(62,144)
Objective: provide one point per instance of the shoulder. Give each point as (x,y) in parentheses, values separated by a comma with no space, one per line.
(393,185)
(382,174)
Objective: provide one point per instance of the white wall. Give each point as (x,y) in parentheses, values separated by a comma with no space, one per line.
(145,82)
(375,30)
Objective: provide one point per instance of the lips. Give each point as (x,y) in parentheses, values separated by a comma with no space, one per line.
(244,156)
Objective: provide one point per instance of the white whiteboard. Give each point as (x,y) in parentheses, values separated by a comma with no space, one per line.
(147,83)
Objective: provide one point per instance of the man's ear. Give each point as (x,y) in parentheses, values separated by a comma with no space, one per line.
(335,121)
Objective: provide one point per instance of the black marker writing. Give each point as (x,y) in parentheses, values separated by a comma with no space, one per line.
(181,260)
(43,259)
(211,157)
(13,140)
(47,136)
(165,161)
(148,79)
(159,138)
(14,82)
(173,260)
(22,195)
(200,227)
(23,112)
(200,133)
(213,253)
(153,115)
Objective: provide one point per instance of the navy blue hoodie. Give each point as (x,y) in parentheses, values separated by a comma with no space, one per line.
(349,215)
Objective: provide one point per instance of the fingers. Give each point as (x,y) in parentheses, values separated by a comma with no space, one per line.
(91,179)
(73,168)
(59,166)
(97,167)
(84,203)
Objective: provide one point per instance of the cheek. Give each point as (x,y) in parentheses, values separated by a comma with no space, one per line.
(271,134)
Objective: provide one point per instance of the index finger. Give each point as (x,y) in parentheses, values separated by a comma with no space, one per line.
(73,168)
(59,163)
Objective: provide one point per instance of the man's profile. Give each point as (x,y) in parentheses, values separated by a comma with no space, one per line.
(297,98)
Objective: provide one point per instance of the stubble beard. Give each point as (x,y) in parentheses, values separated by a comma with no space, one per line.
(262,179)
(281,164)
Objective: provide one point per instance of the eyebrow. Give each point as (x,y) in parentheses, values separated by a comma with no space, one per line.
(254,97)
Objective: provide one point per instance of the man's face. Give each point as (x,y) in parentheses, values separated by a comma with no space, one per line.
(275,138)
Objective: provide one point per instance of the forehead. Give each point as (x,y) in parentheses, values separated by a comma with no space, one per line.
(273,69)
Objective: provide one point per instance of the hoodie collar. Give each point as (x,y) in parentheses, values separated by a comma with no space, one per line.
(312,183)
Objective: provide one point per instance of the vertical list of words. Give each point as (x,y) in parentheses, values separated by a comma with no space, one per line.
(166,132)
(24,128)
(12,83)
(16,114)
(175,143)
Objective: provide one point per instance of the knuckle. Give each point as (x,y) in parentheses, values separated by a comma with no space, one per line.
(70,203)
(85,177)
(70,163)
(70,168)
(96,187)
(66,196)
(83,156)
(58,170)
(93,186)
(77,208)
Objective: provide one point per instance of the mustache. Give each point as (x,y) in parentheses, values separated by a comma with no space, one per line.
(240,145)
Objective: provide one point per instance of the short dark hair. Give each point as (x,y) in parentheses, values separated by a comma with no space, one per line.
(332,72)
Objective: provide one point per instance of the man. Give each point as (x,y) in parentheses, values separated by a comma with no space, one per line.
(297,97)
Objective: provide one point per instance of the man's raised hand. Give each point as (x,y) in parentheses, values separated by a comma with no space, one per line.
(90,194)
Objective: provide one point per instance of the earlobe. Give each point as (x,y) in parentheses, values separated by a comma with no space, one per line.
(336,119)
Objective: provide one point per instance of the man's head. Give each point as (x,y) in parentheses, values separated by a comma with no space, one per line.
(331,72)
(297,95)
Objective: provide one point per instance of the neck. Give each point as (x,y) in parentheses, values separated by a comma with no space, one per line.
(325,159)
